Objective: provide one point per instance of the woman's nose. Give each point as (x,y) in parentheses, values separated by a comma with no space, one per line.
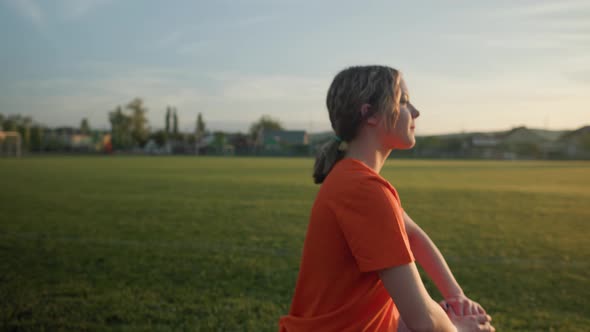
(415,112)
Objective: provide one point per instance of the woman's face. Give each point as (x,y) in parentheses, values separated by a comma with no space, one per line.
(401,135)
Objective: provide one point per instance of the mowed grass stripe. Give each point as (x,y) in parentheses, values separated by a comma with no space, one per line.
(209,247)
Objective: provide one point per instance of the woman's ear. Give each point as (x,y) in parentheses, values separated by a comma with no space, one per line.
(371,120)
(365,109)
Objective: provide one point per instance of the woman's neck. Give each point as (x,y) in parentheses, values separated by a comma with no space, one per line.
(369,151)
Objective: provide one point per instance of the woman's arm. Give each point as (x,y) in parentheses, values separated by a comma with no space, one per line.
(433,262)
(417,309)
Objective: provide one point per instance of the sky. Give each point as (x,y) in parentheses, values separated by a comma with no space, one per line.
(469,65)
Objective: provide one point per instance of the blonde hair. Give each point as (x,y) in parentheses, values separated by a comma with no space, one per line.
(378,86)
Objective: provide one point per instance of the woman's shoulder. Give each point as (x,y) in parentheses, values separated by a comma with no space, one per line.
(352,176)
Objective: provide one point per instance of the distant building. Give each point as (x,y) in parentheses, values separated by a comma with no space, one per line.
(516,143)
(576,144)
(68,139)
(276,140)
(81,141)
(484,140)
(317,140)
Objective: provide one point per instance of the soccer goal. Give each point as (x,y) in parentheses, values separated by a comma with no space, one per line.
(10,144)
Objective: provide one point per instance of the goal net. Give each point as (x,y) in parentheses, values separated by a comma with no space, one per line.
(10,144)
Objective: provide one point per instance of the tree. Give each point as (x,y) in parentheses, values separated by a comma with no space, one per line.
(36,138)
(200,126)
(219,141)
(240,143)
(585,141)
(168,116)
(175,123)
(159,137)
(139,129)
(120,129)
(264,123)
(11,122)
(1,121)
(84,127)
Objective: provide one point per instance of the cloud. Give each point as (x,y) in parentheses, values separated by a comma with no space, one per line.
(543,9)
(74,9)
(169,39)
(65,100)
(274,88)
(40,13)
(254,20)
(230,98)
(183,38)
(523,43)
(195,48)
(29,9)
(525,40)
(580,76)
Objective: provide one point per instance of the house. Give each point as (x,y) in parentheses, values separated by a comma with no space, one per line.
(516,143)
(536,143)
(484,145)
(152,147)
(216,143)
(484,140)
(576,144)
(318,140)
(277,140)
(73,140)
(81,142)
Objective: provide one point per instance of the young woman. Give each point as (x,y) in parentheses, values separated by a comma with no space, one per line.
(358,269)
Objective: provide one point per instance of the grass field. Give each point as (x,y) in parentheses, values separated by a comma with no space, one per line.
(213,244)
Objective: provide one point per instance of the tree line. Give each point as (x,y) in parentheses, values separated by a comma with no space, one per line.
(130,129)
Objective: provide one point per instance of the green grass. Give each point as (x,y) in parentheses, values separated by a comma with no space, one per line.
(214,244)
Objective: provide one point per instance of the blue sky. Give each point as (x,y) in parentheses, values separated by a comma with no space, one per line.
(469,65)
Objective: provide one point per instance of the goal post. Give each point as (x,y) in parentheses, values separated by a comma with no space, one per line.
(10,144)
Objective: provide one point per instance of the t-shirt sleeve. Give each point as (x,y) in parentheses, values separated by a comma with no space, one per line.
(371,220)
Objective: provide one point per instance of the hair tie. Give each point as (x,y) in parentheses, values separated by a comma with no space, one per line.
(342,145)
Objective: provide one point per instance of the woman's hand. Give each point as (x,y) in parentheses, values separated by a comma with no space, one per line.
(466,314)
(477,322)
(461,305)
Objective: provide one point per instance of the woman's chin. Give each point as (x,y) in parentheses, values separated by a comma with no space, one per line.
(409,143)
(409,146)
(405,145)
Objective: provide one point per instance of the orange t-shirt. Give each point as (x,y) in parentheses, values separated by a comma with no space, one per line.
(356,228)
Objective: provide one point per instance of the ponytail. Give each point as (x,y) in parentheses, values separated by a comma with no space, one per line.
(328,155)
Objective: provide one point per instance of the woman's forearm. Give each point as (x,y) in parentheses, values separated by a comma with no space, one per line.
(433,262)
